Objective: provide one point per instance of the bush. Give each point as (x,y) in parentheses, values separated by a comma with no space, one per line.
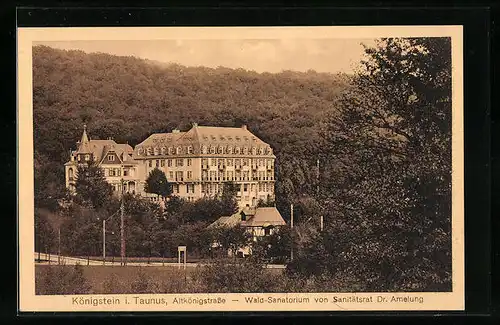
(113,285)
(236,276)
(62,280)
(144,283)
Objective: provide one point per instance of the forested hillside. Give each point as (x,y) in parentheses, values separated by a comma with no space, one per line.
(129,98)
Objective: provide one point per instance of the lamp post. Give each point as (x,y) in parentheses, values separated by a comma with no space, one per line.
(122,228)
(104,242)
(104,237)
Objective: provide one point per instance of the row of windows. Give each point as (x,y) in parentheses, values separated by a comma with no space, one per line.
(169,162)
(118,171)
(245,188)
(221,162)
(236,150)
(108,172)
(176,188)
(179,176)
(161,151)
(237,176)
(157,151)
(85,157)
(127,187)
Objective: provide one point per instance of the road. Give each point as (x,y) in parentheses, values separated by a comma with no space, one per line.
(66,260)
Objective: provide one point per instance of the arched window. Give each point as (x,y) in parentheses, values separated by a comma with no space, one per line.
(221,149)
(212,149)
(204,149)
(70,174)
(229,150)
(170,150)
(245,151)
(237,150)
(261,150)
(190,150)
(178,150)
(254,151)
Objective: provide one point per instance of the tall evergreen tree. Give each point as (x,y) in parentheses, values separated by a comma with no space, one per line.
(91,186)
(157,183)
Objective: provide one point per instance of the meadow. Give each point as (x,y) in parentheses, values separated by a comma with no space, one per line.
(108,279)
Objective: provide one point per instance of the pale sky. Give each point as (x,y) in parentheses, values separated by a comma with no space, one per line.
(260,55)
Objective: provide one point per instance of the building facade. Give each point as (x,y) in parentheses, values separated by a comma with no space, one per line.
(197,163)
(120,169)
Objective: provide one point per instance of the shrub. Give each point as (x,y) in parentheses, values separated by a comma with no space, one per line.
(113,285)
(61,280)
(236,275)
(144,283)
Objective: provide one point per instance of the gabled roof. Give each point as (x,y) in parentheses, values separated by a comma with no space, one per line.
(260,217)
(265,216)
(211,135)
(99,148)
(226,221)
(206,137)
(120,149)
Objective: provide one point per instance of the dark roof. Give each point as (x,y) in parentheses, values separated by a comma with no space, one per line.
(265,216)
(205,137)
(260,217)
(226,221)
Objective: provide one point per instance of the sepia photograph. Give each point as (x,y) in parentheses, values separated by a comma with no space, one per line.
(173,170)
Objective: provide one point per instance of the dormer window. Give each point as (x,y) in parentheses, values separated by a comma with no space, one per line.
(87,157)
(229,150)
(221,149)
(254,151)
(111,158)
(245,151)
(190,150)
(261,150)
(237,150)
(204,149)
(178,150)
(212,150)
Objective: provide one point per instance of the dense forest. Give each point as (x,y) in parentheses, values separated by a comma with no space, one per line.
(382,137)
(129,98)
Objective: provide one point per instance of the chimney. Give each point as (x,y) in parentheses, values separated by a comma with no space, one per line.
(244,127)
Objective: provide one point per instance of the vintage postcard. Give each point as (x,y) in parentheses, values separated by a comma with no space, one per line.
(241,169)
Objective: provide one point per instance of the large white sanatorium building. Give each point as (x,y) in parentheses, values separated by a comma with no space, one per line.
(197,163)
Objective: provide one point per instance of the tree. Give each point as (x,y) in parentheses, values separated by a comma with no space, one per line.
(91,186)
(389,202)
(275,248)
(232,238)
(157,183)
(229,204)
